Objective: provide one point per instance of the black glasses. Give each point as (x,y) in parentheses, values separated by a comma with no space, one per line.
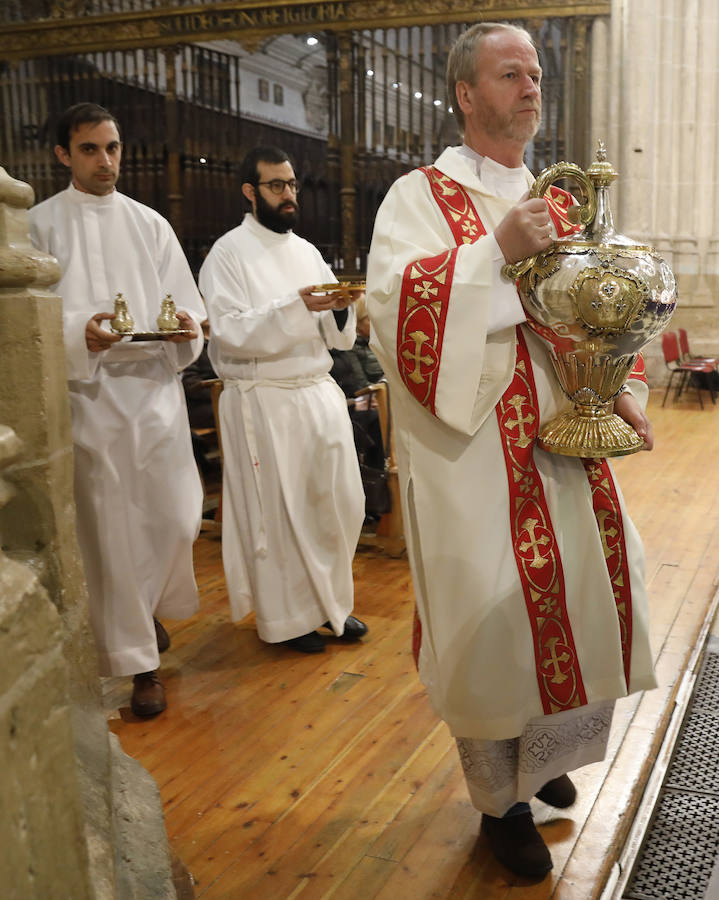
(277,185)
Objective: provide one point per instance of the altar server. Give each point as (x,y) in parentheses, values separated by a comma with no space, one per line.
(137,490)
(528,573)
(293,503)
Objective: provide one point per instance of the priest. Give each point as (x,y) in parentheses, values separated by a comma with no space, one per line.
(137,489)
(528,573)
(293,503)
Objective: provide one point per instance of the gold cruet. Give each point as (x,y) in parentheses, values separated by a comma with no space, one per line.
(167,320)
(123,322)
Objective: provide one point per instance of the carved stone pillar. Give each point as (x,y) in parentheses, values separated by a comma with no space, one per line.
(37,528)
(79,818)
(42,841)
(347,153)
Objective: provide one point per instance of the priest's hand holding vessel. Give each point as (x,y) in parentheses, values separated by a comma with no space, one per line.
(595,298)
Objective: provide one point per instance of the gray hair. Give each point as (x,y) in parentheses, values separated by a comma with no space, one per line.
(463,59)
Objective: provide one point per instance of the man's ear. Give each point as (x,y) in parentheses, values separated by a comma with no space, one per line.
(62,155)
(462,97)
(248,192)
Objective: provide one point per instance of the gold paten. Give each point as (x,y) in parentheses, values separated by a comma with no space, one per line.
(167,320)
(123,323)
(340,288)
(595,300)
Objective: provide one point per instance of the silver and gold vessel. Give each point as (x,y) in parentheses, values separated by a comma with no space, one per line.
(595,298)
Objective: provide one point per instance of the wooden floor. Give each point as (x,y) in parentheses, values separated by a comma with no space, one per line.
(284,775)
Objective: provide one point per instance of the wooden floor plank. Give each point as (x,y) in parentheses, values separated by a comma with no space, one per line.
(290,776)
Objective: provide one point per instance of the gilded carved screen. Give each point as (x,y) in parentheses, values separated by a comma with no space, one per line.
(355,109)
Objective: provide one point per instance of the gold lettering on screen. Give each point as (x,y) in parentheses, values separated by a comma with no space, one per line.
(262,17)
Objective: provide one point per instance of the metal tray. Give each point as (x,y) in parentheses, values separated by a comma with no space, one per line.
(152,335)
(340,288)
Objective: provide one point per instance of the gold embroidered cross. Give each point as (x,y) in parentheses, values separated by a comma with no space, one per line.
(534,543)
(554,661)
(523,439)
(425,289)
(606,533)
(419,338)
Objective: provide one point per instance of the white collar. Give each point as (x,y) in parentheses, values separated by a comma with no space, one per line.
(83,197)
(462,168)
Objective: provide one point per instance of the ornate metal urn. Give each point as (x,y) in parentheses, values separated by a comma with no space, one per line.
(595,298)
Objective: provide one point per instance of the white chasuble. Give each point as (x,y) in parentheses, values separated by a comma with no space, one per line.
(293,503)
(137,490)
(518,614)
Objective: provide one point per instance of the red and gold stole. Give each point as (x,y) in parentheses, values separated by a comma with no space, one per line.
(426,289)
(426,286)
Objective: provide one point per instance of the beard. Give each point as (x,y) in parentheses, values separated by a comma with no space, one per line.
(519,127)
(278,219)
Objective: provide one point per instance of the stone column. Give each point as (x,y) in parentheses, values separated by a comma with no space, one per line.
(600,63)
(633,85)
(657,103)
(706,140)
(37,526)
(79,818)
(42,839)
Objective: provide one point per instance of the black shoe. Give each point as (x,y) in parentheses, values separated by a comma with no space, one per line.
(559,792)
(517,844)
(148,695)
(307,643)
(163,638)
(354,629)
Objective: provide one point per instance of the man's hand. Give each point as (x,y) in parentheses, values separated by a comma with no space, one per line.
(343,300)
(187,323)
(525,230)
(96,337)
(316,302)
(628,409)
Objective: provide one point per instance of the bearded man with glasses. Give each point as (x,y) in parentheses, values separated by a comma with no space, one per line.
(293,503)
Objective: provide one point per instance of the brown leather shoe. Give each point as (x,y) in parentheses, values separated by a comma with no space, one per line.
(559,792)
(148,695)
(163,638)
(517,844)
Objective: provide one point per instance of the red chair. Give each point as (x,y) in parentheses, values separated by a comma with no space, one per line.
(686,355)
(673,362)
